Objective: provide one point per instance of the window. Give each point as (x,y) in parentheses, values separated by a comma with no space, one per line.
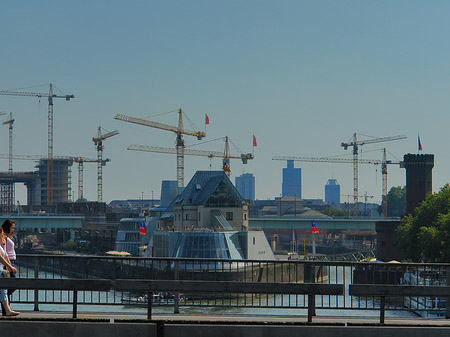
(187,216)
(229,216)
(199,216)
(223,196)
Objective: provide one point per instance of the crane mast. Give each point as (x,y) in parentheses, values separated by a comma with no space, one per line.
(354,144)
(98,142)
(81,162)
(50,95)
(178,130)
(7,189)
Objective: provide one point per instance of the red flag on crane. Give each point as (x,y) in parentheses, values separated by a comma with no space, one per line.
(420,144)
(206,119)
(254,141)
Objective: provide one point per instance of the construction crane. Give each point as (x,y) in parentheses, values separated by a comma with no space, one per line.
(384,162)
(98,142)
(178,130)
(355,144)
(203,153)
(50,95)
(78,160)
(7,189)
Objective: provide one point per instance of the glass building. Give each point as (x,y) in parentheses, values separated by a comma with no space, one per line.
(128,238)
(245,185)
(332,192)
(292,181)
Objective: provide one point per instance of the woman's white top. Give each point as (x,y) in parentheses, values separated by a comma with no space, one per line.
(10,249)
(2,252)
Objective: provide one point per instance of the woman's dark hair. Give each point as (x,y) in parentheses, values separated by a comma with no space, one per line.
(7,224)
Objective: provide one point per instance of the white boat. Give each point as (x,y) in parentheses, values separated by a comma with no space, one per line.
(162,298)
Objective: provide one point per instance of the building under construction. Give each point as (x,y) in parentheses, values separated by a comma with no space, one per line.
(37,184)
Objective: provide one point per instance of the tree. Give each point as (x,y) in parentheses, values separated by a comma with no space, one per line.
(427,234)
(396,201)
(334,212)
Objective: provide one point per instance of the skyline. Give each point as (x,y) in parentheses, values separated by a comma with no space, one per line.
(300,76)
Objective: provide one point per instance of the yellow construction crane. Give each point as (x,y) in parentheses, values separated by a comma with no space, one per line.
(355,144)
(50,95)
(98,142)
(384,162)
(178,130)
(203,153)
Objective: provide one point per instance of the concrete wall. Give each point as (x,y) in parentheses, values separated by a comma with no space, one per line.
(316,331)
(18,328)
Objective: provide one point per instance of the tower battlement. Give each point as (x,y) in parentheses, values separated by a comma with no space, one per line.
(418,160)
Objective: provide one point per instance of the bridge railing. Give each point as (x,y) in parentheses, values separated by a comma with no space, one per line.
(270,271)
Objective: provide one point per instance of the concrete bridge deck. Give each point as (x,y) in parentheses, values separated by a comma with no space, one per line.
(57,324)
(226,319)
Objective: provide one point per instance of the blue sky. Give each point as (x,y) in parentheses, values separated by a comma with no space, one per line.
(302,76)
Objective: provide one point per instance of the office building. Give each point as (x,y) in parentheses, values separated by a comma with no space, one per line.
(245,184)
(332,192)
(292,181)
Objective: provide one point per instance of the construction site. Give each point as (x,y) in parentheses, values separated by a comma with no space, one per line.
(50,183)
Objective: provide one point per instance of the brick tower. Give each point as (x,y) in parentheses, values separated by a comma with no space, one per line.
(418,179)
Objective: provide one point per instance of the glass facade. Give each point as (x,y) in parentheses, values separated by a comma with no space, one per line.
(332,192)
(203,245)
(128,238)
(245,184)
(292,181)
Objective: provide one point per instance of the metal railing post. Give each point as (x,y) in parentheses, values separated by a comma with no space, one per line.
(447,305)
(382,309)
(36,292)
(75,301)
(176,304)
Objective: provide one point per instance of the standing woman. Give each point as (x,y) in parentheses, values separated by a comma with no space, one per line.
(5,261)
(8,228)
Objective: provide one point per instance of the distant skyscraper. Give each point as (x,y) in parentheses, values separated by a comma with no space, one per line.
(168,192)
(292,181)
(333,192)
(245,184)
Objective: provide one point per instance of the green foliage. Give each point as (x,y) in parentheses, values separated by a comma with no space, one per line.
(69,245)
(427,234)
(396,201)
(334,212)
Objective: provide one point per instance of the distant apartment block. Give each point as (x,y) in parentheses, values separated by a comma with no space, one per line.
(292,181)
(245,184)
(332,192)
